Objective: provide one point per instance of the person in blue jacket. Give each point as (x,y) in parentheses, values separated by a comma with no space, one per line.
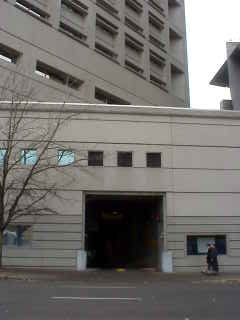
(214,259)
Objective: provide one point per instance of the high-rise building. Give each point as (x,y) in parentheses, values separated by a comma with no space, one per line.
(98,51)
(228,76)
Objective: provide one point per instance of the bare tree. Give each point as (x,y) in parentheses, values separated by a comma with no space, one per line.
(29,170)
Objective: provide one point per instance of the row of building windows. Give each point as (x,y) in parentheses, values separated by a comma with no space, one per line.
(80,8)
(157,74)
(48,72)
(157,64)
(105,43)
(107,31)
(95,158)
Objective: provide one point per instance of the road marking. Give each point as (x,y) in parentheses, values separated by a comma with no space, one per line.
(99,287)
(96,298)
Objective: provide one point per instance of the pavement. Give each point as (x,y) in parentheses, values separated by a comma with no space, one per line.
(112,275)
(34,294)
(27,294)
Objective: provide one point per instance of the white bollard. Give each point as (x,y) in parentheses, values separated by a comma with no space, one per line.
(81,260)
(167,263)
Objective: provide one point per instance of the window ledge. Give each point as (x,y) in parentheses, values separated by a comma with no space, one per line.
(135,72)
(34,16)
(74,38)
(114,12)
(138,30)
(158,85)
(106,56)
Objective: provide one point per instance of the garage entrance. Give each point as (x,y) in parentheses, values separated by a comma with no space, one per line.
(123,231)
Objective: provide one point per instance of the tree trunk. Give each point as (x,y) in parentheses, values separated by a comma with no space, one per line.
(1,247)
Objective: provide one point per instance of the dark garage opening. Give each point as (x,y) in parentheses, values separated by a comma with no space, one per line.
(123,231)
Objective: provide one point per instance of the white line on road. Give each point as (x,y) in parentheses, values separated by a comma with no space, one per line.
(99,287)
(96,298)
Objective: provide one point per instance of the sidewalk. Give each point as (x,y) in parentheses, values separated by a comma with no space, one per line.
(113,276)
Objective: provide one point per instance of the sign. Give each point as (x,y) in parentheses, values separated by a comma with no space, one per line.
(202,244)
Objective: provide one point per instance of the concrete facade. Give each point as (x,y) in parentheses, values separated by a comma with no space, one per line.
(198,180)
(124,52)
(98,51)
(229,76)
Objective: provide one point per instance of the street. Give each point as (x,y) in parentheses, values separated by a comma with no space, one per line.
(120,296)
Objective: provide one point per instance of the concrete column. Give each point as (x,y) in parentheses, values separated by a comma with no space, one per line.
(164,214)
(160,233)
(146,54)
(54,9)
(91,25)
(120,43)
(234,80)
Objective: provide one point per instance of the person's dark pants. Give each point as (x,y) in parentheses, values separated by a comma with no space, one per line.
(215,266)
(209,264)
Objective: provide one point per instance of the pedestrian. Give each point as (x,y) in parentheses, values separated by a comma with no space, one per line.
(209,258)
(214,259)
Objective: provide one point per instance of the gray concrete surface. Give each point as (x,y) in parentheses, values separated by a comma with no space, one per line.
(126,295)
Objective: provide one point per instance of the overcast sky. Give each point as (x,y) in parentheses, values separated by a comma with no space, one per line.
(210,23)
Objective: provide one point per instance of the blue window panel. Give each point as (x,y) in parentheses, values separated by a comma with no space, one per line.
(17,236)
(65,157)
(2,155)
(28,157)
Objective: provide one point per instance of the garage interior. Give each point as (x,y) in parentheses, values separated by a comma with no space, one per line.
(123,231)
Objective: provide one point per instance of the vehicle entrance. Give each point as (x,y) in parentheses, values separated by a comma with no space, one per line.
(123,231)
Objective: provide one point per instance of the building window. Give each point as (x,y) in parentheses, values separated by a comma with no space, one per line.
(56,75)
(8,54)
(174,3)
(108,98)
(95,158)
(2,155)
(28,157)
(198,245)
(124,159)
(77,35)
(107,7)
(134,5)
(105,50)
(76,6)
(153,160)
(19,235)
(31,9)
(156,5)
(155,22)
(65,157)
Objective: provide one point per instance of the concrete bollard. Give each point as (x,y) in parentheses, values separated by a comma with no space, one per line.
(81,260)
(167,263)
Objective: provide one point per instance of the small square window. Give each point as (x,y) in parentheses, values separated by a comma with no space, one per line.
(28,157)
(65,157)
(2,155)
(124,159)
(95,158)
(154,160)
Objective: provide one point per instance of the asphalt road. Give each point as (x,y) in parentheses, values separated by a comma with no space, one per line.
(120,297)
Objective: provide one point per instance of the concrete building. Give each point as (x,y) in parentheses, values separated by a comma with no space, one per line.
(98,51)
(229,76)
(173,188)
(155,179)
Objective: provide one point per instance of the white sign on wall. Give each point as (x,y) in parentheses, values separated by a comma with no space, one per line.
(202,244)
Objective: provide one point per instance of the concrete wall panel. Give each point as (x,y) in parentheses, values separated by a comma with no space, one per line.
(206,205)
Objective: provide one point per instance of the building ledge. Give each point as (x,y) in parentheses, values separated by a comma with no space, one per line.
(78,108)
